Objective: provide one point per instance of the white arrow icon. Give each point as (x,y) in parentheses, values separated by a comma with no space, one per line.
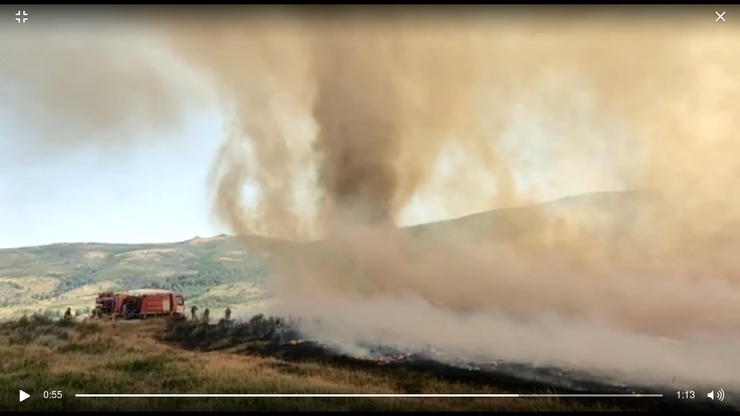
(24,395)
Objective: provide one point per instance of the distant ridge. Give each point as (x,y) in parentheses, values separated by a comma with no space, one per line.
(515,222)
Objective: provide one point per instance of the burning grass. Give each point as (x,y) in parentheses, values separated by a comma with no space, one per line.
(256,356)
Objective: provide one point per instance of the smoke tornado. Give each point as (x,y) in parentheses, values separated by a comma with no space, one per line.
(359,128)
(357,110)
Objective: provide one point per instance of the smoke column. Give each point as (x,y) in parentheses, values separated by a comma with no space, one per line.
(386,97)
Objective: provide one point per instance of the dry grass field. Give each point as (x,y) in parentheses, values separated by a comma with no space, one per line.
(129,357)
(157,356)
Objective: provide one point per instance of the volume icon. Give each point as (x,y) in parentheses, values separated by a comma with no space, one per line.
(719,393)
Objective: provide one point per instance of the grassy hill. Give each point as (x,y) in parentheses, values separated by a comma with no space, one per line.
(220,271)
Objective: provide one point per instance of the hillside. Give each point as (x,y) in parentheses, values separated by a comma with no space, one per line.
(266,355)
(224,271)
(599,212)
(216,271)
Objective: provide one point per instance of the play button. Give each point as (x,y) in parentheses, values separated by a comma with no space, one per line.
(24,395)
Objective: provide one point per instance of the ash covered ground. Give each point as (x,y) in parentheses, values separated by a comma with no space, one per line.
(278,338)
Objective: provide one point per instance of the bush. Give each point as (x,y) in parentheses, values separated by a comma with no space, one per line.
(27,329)
(86,328)
(258,328)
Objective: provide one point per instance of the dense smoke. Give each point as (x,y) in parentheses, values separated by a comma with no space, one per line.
(359,109)
(376,105)
(387,97)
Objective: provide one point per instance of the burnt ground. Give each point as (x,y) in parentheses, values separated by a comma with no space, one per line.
(274,338)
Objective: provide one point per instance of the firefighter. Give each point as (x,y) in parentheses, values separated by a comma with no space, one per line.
(193,312)
(68,313)
(228,313)
(205,315)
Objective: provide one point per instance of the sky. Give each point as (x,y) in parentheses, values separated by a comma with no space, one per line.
(152,189)
(158,191)
(157,195)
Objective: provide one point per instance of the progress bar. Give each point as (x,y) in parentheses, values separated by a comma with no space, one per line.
(368,395)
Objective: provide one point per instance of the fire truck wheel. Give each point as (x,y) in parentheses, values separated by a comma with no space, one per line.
(126,312)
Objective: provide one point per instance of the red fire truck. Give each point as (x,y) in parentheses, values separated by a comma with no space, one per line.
(139,304)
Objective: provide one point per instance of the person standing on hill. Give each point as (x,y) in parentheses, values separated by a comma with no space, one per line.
(68,313)
(193,312)
(206,314)
(228,313)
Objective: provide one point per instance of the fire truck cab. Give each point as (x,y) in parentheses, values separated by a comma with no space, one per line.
(139,304)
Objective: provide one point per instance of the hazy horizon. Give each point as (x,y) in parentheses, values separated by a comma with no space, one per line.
(227,234)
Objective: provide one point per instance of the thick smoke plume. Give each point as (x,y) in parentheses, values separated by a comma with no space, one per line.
(387,97)
(380,104)
(360,109)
